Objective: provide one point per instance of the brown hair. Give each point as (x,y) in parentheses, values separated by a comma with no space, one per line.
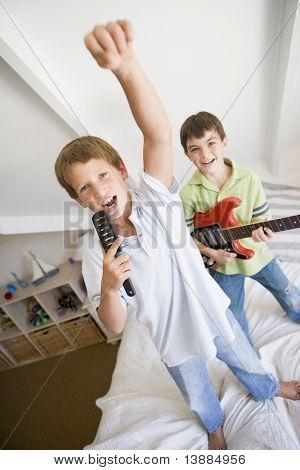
(196,126)
(81,151)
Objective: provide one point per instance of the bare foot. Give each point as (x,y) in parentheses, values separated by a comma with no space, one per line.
(289,390)
(216,440)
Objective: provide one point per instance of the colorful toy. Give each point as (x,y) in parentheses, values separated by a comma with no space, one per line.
(71,260)
(67,302)
(21,282)
(8,295)
(38,316)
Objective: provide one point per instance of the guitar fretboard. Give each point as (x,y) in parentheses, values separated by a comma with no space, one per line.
(276,225)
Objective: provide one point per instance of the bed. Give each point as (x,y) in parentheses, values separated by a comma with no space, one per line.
(144,410)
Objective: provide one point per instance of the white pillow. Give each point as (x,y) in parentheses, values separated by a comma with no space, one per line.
(284,201)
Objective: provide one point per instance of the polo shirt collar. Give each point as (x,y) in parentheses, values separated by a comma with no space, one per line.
(200,179)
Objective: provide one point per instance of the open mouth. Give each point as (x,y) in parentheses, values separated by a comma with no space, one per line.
(109,203)
(208,163)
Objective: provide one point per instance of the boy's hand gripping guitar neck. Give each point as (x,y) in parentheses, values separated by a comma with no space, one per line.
(107,236)
(210,229)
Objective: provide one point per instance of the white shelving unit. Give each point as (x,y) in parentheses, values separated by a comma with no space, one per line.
(110,337)
(24,342)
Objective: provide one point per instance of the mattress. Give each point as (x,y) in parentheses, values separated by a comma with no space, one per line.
(144,409)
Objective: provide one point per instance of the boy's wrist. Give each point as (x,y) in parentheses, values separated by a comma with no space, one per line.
(211,253)
(207,251)
(109,292)
(127,68)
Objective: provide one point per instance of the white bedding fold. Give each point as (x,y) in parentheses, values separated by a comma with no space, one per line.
(144,409)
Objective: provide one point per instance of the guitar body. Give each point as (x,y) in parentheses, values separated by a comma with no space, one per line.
(208,225)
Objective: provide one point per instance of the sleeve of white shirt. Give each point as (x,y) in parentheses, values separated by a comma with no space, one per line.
(151,186)
(92,268)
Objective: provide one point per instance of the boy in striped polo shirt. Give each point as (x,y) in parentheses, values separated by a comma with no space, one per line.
(204,140)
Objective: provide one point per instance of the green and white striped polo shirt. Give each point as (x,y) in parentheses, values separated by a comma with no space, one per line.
(200,195)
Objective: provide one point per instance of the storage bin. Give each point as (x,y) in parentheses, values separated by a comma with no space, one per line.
(5,363)
(82,331)
(51,341)
(21,349)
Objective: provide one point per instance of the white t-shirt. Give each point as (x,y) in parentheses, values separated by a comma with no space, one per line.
(176,298)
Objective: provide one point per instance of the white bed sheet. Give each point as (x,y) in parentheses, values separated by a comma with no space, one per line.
(144,409)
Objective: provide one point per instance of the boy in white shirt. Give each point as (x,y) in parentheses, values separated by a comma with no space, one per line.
(176,298)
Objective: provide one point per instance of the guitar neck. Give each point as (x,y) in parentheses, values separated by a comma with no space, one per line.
(276,225)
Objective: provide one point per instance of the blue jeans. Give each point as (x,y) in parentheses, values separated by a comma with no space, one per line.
(192,379)
(272,278)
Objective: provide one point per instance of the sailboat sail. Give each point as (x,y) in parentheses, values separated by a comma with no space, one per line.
(41,270)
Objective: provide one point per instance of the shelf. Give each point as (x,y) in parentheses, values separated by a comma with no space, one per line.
(50,301)
(83,331)
(8,329)
(5,362)
(110,337)
(67,272)
(24,342)
(9,333)
(18,312)
(50,341)
(20,349)
(30,328)
(70,315)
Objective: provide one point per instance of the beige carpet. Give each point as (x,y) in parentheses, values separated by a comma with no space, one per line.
(64,414)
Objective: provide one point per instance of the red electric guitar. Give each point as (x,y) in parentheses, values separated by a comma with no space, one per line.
(212,228)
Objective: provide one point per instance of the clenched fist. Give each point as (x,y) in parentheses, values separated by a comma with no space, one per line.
(111,44)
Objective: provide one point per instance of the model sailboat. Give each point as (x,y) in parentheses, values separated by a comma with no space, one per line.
(41,270)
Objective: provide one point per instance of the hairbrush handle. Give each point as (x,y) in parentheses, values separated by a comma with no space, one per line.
(107,236)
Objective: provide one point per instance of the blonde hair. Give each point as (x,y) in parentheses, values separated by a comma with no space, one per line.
(81,151)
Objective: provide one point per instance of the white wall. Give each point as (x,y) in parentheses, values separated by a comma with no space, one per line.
(284,125)
(53,248)
(198,54)
(210,55)
(289,158)
(33,133)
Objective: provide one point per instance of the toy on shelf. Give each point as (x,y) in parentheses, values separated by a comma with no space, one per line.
(22,282)
(5,321)
(8,295)
(41,270)
(38,316)
(67,302)
(11,287)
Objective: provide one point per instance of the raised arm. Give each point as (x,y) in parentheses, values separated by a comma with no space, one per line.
(111,47)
